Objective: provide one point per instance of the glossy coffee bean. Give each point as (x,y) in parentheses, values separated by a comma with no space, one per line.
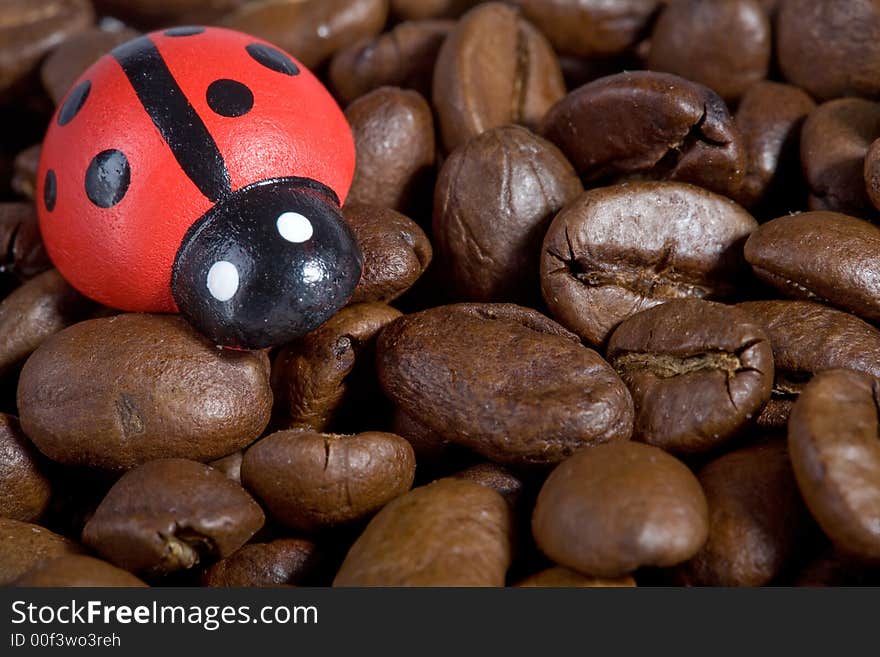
(229,466)
(116,392)
(25,490)
(559,576)
(698,371)
(170,514)
(618,250)
(820,256)
(23,546)
(21,246)
(611,509)
(503,381)
(649,125)
(494,199)
(78,570)
(872,173)
(449,533)
(284,561)
(482,83)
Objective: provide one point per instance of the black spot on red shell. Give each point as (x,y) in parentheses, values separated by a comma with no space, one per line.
(50,190)
(185,31)
(229,98)
(272,58)
(74,102)
(107,178)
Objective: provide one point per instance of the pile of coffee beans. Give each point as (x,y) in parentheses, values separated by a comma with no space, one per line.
(617,326)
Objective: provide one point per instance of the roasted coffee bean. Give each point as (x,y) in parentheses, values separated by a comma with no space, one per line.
(756,517)
(429,446)
(872,173)
(724,44)
(650,125)
(770,116)
(503,381)
(493,69)
(78,570)
(418,9)
(496,477)
(25,489)
(155,13)
(698,372)
(21,247)
(168,515)
(396,252)
(310,30)
(611,509)
(37,310)
(24,546)
(230,466)
(618,250)
(403,57)
(821,256)
(834,142)
(285,561)
(327,378)
(808,338)
(24,176)
(559,576)
(449,533)
(830,49)
(494,199)
(310,481)
(394,139)
(116,392)
(836,569)
(832,438)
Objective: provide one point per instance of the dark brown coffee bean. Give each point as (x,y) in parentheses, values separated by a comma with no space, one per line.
(832,438)
(698,372)
(417,9)
(24,546)
(285,561)
(449,533)
(619,250)
(403,57)
(834,142)
(24,177)
(756,517)
(494,199)
(503,381)
(230,466)
(394,139)
(24,489)
(611,509)
(496,477)
(650,125)
(482,83)
(21,246)
(168,515)
(830,49)
(836,569)
(872,173)
(311,481)
(159,13)
(808,338)
(769,117)
(116,392)
(724,44)
(429,446)
(78,570)
(329,375)
(37,310)
(396,252)
(310,30)
(821,256)
(559,576)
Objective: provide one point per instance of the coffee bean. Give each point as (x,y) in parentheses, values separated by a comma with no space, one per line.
(698,372)
(449,533)
(159,13)
(78,570)
(327,378)
(836,569)
(482,83)
(611,509)
(770,117)
(503,381)
(820,256)
(872,173)
(394,139)
(21,246)
(170,514)
(418,9)
(496,477)
(618,250)
(396,252)
(430,447)
(24,488)
(723,44)
(834,142)
(24,546)
(113,393)
(24,177)
(494,199)
(830,49)
(403,57)
(285,561)
(230,466)
(310,30)
(756,517)
(559,576)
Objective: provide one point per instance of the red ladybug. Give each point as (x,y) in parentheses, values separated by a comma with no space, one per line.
(202,170)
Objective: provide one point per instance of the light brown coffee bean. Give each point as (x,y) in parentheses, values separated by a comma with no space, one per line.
(25,490)
(559,576)
(78,570)
(285,561)
(24,546)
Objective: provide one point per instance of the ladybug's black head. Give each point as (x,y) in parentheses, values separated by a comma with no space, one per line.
(267,264)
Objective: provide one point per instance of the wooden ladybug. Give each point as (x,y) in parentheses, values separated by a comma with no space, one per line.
(202,170)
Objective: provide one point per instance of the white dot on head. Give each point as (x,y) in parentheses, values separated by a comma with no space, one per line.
(223,280)
(294,227)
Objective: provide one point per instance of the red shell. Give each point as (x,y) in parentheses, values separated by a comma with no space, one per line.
(122,256)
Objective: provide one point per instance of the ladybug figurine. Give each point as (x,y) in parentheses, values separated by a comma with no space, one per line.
(202,170)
